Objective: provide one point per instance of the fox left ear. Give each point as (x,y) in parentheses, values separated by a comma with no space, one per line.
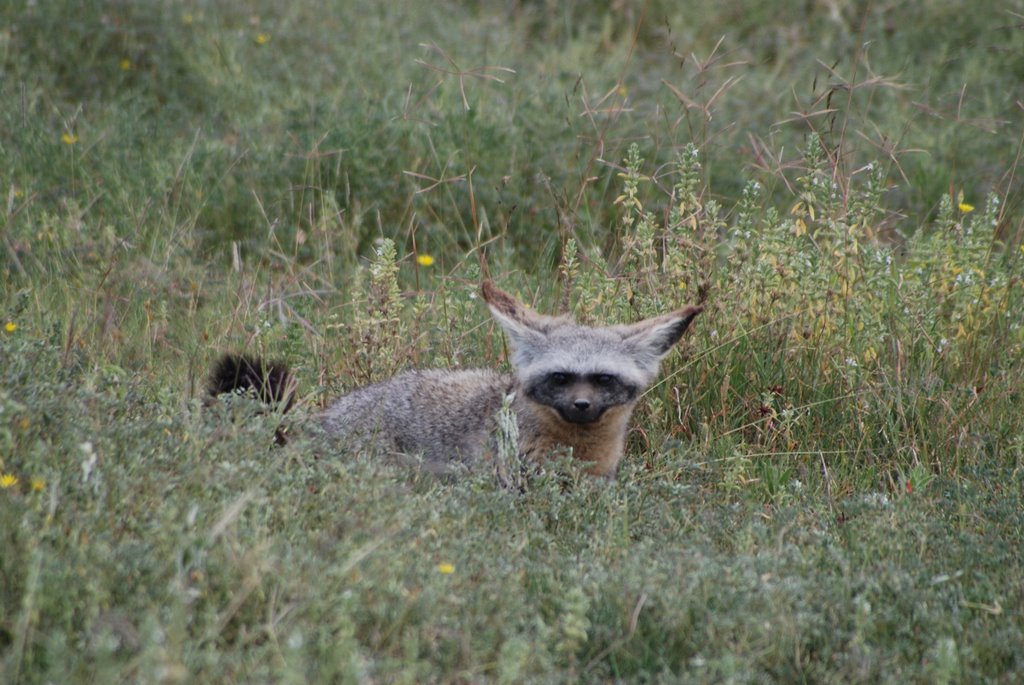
(522,325)
(657,335)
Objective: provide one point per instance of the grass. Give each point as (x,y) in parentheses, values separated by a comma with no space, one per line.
(825,486)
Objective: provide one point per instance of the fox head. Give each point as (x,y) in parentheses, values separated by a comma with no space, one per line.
(580,372)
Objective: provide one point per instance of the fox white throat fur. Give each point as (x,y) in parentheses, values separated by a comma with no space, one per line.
(574,387)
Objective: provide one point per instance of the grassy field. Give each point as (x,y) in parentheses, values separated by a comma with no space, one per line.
(825,486)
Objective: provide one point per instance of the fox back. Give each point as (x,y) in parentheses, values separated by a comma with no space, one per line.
(445,417)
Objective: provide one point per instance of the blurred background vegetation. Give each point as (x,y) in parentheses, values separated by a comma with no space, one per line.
(329,125)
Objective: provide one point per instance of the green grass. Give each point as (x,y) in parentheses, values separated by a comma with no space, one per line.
(825,486)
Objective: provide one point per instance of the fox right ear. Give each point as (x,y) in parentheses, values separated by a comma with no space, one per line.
(522,325)
(654,337)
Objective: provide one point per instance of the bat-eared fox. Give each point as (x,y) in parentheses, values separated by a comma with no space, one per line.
(574,386)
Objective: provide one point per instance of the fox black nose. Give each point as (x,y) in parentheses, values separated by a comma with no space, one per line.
(582,405)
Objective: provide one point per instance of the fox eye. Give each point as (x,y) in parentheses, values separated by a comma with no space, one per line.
(559,378)
(604,379)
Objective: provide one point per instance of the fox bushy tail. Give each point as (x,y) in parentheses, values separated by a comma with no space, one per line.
(273,383)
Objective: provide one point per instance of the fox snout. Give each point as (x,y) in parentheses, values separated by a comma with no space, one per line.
(577,399)
(580,408)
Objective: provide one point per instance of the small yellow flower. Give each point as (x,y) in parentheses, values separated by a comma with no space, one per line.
(187,19)
(38,484)
(425,260)
(8,480)
(262,38)
(69,138)
(125,64)
(10,326)
(446,568)
(966,208)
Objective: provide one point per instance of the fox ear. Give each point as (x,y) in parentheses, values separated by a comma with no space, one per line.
(522,325)
(657,335)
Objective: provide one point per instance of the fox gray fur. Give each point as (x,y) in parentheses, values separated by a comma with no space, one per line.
(575,386)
